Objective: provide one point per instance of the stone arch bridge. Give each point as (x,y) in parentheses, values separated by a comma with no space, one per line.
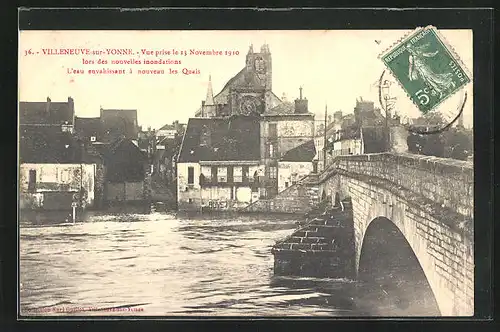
(411,216)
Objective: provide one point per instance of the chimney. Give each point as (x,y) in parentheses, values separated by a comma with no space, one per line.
(301,105)
(71,105)
(47,106)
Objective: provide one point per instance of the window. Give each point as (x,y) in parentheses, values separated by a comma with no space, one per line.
(92,138)
(190,175)
(214,174)
(245,173)
(238,174)
(222,174)
(273,130)
(273,172)
(32,180)
(65,176)
(271,150)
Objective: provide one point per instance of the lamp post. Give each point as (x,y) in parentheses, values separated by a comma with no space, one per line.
(385,92)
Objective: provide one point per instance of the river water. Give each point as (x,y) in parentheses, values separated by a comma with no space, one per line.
(162,265)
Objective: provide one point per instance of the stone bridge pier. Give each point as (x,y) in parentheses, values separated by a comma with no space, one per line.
(413,224)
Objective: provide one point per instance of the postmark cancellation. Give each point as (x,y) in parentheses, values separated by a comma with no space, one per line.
(426,67)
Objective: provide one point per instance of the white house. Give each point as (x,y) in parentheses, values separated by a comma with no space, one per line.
(295,164)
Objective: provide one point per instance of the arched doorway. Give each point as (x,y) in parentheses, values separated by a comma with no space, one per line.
(392,278)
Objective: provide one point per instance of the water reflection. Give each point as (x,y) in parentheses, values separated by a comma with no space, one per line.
(168,266)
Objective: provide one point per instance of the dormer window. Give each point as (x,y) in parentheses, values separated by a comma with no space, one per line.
(205,137)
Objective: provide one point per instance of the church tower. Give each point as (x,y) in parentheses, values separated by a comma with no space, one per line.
(259,67)
(208,108)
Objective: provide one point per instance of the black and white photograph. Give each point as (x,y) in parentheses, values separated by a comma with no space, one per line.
(268,173)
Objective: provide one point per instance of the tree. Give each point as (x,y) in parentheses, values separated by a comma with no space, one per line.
(458,144)
(434,145)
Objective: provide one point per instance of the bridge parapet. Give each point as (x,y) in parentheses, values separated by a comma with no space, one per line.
(447,182)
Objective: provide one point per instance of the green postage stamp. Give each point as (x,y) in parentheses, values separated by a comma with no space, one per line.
(426,68)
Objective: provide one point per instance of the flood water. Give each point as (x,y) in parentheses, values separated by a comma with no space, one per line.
(163,265)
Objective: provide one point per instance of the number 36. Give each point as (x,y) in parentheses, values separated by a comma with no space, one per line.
(422,96)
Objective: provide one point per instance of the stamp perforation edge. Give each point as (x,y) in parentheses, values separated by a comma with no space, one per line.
(450,49)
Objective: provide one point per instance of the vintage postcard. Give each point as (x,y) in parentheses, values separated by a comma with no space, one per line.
(246,173)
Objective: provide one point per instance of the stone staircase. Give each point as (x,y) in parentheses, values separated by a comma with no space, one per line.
(323,247)
(299,198)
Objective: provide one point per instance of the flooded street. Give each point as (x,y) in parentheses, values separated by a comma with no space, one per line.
(160,265)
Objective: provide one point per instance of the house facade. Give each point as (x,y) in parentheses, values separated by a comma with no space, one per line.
(218,163)
(55,186)
(55,170)
(296,164)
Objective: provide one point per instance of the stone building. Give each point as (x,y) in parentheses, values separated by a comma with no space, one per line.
(218,163)
(55,171)
(282,125)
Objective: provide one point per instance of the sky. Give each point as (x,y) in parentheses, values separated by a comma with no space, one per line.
(334,67)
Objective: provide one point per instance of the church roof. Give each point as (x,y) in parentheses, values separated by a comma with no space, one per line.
(236,138)
(238,80)
(302,153)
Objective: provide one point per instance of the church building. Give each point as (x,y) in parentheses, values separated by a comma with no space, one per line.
(246,101)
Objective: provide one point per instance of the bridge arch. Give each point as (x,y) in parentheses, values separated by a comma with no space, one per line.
(429,200)
(390,268)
